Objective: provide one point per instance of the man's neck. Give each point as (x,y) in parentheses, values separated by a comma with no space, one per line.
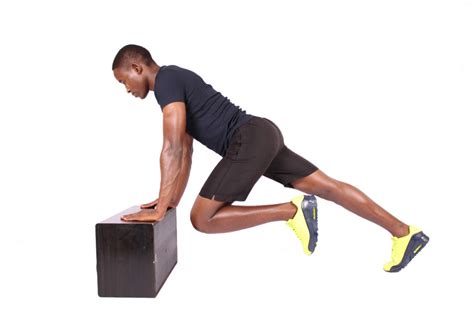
(153,71)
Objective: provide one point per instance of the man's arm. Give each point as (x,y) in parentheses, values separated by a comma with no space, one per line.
(174,134)
(183,177)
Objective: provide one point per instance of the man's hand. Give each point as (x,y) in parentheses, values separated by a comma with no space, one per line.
(144,216)
(155,203)
(150,205)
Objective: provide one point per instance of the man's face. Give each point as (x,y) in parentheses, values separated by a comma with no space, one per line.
(134,80)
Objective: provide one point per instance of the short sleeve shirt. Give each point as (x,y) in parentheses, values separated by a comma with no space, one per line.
(210,117)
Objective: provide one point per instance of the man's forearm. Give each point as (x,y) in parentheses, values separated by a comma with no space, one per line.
(170,165)
(183,177)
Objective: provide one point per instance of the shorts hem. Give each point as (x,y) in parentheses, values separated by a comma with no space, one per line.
(310,171)
(224,198)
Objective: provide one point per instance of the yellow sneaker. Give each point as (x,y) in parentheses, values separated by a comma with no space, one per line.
(406,248)
(305,221)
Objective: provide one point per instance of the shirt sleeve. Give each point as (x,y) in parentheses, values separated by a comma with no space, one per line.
(170,89)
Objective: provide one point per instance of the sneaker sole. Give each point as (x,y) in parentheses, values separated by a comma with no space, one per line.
(310,212)
(417,242)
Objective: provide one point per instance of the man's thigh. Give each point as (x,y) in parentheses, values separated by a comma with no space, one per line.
(288,166)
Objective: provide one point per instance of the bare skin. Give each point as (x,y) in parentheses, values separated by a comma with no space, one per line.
(212,216)
(138,77)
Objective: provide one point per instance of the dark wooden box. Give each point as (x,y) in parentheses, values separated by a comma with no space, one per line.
(134,259)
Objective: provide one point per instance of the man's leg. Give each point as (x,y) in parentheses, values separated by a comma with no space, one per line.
(237,172)
(213,216)
(350,198)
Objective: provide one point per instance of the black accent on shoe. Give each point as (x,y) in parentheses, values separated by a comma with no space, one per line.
(310,212)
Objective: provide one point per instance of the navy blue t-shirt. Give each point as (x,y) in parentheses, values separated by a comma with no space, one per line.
(210,117)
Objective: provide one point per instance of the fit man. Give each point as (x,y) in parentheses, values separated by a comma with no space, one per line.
(250,147)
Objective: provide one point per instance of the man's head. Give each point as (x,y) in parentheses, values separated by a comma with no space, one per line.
(134,67)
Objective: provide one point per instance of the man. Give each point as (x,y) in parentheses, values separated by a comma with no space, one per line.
(250,147)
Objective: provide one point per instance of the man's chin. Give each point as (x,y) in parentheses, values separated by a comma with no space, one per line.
(143,96)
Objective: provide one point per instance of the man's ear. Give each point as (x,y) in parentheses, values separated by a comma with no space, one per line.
(137,68)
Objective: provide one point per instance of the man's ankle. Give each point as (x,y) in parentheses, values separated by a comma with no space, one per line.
(401,231)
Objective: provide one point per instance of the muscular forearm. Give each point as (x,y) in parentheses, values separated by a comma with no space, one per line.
(170,165)
(183,177)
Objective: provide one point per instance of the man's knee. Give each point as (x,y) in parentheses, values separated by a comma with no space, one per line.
(202,212)
(199,223)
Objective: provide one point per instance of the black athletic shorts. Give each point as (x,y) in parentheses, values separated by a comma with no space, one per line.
(256,148)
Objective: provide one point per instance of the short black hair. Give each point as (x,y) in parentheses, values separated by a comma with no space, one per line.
(130,53)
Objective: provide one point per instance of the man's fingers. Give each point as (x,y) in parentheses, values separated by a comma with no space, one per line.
(149,205)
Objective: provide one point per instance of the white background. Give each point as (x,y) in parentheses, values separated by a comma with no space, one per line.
(375,93)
